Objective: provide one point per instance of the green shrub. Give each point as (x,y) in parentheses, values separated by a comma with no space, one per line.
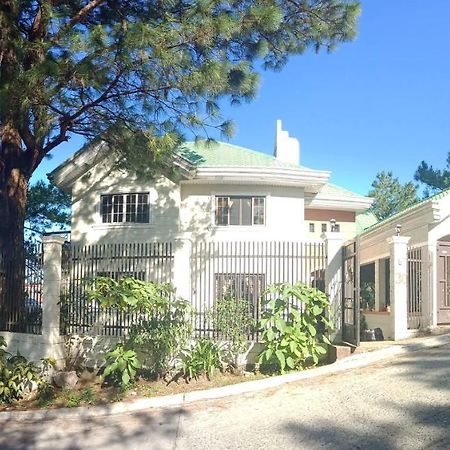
(202,359)
(162,326)
(293,326)
(121,366)
(232,317)
(17,375)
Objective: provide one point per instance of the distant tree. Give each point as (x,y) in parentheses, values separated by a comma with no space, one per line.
(390,195)
(435,180)
(47,206)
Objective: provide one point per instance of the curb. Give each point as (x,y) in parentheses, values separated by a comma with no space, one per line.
(178,400)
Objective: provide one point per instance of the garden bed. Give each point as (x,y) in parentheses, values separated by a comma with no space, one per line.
(94,392)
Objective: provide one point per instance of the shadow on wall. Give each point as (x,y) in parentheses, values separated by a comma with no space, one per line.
(165,198)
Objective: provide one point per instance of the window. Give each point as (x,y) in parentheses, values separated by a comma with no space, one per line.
(240,210)
(324,228)
(123,208)
(240,285)
(311,228)
(337,228)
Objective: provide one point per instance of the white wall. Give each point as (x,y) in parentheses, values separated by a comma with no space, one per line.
(284,212)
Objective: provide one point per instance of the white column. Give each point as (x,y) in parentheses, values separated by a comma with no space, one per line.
(399,285)
(182,268)
(51,291)
(333,277)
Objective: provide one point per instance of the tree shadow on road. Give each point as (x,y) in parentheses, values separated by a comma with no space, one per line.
(144,429)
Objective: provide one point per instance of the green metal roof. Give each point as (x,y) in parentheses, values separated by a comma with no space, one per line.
(364,221)
(222,154)
(332,189)
(435,197)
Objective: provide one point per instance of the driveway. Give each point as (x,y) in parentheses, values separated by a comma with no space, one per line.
(397,404)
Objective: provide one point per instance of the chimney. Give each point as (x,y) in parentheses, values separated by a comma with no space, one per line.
(287,149)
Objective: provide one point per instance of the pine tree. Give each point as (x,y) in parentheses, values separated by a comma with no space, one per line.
(435,180)
(391,197)
(137,73)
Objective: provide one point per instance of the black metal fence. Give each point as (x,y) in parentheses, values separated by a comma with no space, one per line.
(21,280)
(243,270)
(240,270)
(414,288)
(144,261)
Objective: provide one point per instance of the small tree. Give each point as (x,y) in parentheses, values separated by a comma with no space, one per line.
(232,318)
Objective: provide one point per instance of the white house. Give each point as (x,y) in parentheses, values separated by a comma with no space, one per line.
(227,193)
(424,231)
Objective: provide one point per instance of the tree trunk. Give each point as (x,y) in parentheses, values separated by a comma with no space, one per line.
(13,192)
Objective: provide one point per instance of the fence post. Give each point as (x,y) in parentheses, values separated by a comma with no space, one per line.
(51,289)
(182,268)
(399,285)
(333,278)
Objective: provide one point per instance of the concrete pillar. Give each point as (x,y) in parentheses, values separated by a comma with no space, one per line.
(182,268)
(333,278)
(51,291)
(399,285)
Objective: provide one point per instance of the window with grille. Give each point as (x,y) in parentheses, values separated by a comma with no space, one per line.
(311,228)
(125,208)
(245,286)
(240,210)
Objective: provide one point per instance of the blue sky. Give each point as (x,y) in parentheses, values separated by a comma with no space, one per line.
(381,102)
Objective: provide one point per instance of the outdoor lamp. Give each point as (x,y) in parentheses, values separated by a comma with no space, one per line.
(398,228)
(332,224)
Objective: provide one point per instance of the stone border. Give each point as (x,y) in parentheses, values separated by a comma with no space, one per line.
(178,400)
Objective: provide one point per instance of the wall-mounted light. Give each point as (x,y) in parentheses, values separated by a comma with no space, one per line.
(398,229)
(332,224)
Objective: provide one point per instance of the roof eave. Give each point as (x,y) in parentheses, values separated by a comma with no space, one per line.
(260,175)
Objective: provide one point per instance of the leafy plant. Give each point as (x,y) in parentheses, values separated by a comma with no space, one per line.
(294,326)
(121,365)
(162,325)
(17,375)
(232,317)
(202,359)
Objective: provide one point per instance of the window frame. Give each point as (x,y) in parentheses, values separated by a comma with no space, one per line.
(253,198)
(127,208)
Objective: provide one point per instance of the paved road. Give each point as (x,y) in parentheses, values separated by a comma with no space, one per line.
(401,404)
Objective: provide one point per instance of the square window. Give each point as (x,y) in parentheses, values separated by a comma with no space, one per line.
(240,210)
